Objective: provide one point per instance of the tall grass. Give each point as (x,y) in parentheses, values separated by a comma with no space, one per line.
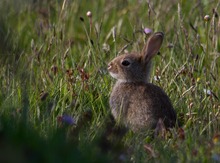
(55,85)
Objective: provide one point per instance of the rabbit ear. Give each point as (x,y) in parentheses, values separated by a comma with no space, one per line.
(152,46)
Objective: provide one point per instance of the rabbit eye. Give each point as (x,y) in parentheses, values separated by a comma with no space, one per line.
(125,63)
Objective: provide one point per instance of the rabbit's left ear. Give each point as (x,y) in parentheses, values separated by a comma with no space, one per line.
(152,46)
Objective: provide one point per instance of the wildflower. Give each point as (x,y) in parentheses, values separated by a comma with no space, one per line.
(206,18)
(148,30)
(66,119)
(216,157)
(207,91)
(89,14)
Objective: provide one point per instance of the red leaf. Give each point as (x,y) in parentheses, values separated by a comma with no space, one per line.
(181,134)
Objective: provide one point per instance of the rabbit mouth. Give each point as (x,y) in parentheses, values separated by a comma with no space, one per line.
(110,66)
(117,76)
(113,70)
(114,75)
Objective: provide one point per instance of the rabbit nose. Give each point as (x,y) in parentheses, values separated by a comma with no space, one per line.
(109,65)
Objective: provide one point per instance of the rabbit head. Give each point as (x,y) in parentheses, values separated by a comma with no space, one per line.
(135,67)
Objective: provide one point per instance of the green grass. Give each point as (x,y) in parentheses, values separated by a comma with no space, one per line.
(53,62)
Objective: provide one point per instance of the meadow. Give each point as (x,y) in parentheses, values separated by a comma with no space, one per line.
(55,87)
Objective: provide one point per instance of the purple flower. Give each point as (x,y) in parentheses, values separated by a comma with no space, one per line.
(148,30)
(67,119)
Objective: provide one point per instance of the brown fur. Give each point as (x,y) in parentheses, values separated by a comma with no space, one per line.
(134,101)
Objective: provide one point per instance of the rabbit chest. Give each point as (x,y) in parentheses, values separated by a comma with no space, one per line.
(130,104)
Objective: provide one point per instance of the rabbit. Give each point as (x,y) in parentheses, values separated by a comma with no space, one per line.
(135,102)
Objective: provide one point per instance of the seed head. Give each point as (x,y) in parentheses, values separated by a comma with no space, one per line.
(89,14)
(206,18)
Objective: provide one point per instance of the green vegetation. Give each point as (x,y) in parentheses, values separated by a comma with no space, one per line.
(54,84)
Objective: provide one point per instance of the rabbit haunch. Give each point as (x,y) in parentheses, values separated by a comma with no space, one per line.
(133,100)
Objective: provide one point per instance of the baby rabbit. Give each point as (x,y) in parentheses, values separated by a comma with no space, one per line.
(134,101)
